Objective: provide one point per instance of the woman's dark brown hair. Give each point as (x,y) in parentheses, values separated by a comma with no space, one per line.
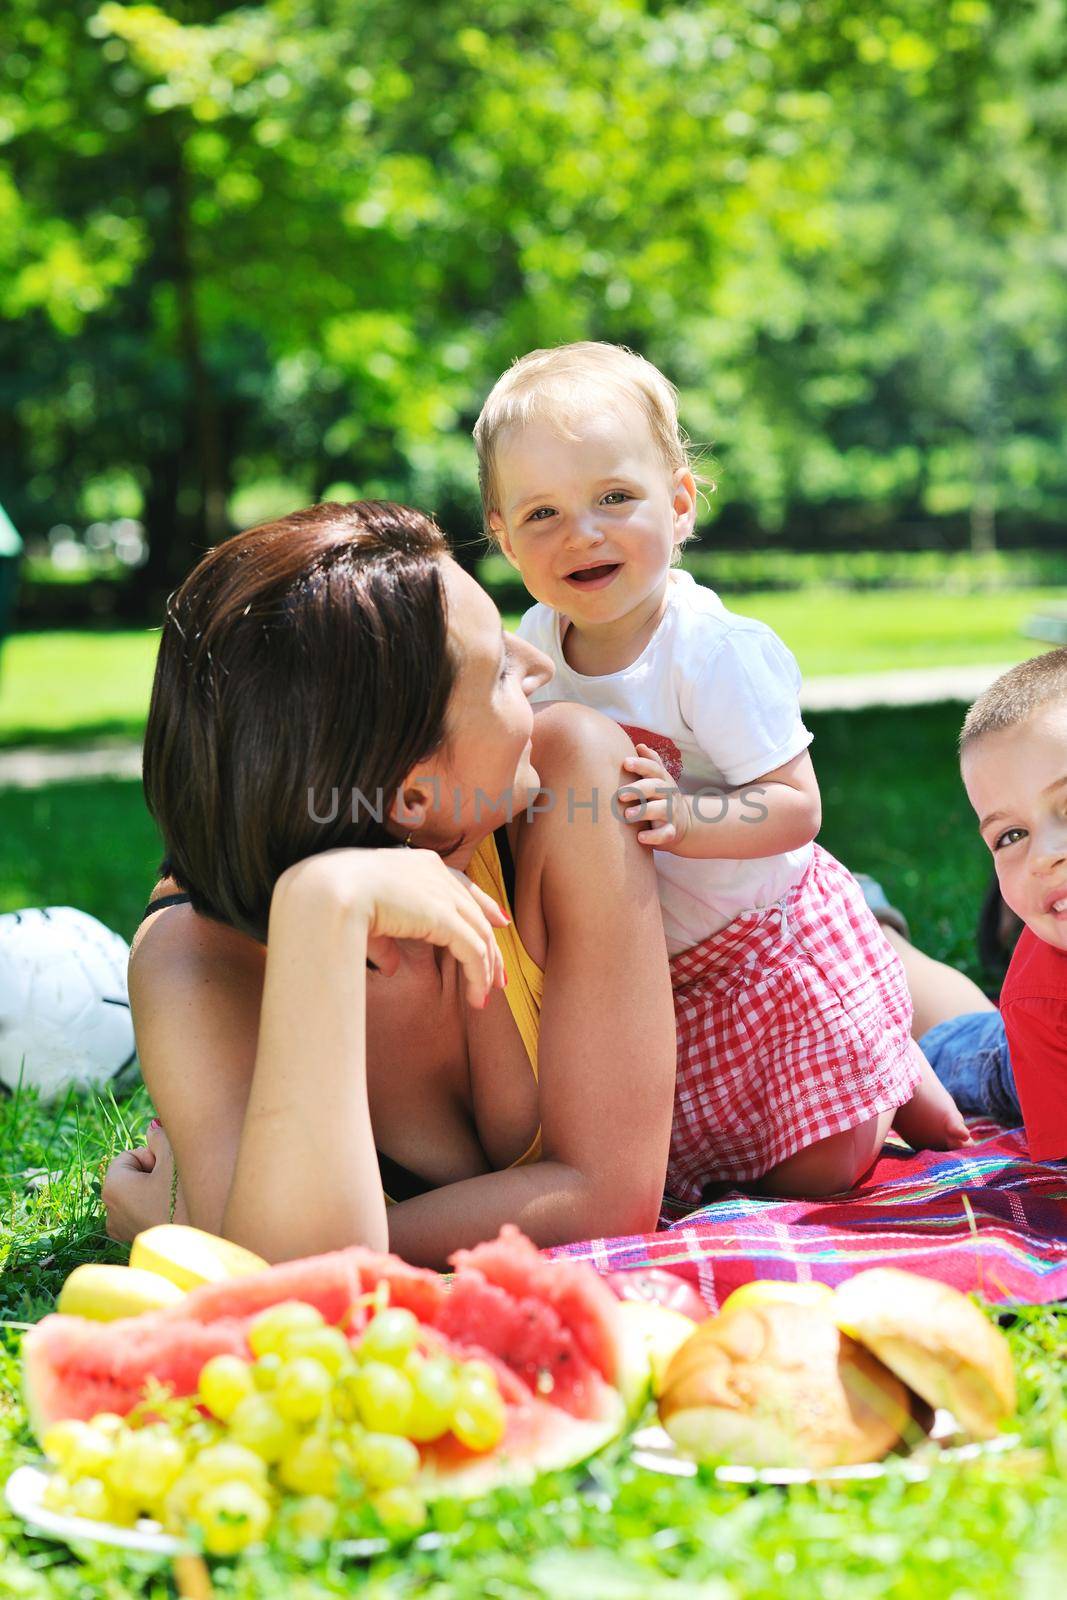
(301,664)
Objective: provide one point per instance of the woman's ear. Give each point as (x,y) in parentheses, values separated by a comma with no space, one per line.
(500,534)
(411,805)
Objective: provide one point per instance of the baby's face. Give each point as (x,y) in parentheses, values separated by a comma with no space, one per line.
(591,521)
(1016,781)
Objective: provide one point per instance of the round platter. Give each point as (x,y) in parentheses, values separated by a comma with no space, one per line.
(655,1451)
(25,1490)
(25,1495)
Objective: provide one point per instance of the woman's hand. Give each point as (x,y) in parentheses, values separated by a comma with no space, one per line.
(137,1188)
(407,895)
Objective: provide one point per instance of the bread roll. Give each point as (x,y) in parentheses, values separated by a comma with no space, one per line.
(936,1340)
(779,1385)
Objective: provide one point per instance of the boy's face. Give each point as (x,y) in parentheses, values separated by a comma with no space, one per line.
(591,521)
(1016,781)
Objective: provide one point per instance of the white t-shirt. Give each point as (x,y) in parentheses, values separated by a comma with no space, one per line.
(718,694)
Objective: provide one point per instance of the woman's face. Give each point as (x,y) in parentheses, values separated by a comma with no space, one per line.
(482,776)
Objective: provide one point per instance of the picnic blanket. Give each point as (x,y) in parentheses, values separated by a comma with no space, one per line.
(986,1219)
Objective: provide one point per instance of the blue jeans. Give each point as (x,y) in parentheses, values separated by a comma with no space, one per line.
(970,1056)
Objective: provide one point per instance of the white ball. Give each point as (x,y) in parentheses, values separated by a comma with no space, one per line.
(64,1008)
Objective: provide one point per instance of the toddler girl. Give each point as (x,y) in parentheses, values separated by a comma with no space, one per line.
(793,1014)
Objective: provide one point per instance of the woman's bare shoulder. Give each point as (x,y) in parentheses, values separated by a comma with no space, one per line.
(196,988)
(570,831)
(570,740)
(177,945)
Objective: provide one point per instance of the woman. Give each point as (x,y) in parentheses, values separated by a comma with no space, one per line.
(331,687)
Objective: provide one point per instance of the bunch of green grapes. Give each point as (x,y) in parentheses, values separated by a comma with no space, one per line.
(312,1422)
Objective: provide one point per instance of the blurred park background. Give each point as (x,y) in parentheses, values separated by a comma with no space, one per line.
(256,256)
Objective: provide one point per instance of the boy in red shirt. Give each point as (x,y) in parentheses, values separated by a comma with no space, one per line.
(1013,757)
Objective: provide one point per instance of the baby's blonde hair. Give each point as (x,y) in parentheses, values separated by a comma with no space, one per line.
(562,385)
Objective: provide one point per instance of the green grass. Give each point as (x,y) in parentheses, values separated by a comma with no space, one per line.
(831,632)
(995,1529)
(84,685)
(70,686)
(91,845)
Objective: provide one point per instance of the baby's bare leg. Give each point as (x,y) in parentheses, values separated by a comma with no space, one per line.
(832,1165)
(931,1120)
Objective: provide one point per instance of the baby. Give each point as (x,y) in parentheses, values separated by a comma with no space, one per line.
(793,1014)
(1013,754)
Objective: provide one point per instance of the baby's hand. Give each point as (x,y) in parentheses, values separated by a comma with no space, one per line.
(654,801)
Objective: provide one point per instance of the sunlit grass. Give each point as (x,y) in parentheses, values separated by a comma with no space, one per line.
(73,683)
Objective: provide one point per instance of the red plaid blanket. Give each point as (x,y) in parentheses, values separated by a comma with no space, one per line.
(986,1219)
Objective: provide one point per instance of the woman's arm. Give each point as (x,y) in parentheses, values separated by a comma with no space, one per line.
(258,1065)
(607,1039)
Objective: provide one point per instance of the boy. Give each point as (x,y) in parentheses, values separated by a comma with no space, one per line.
(1013,757)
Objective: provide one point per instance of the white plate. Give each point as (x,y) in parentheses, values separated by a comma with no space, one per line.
(25,1495)
(656,1452)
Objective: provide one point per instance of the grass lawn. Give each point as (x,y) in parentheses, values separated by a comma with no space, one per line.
(833,632)
(995,1529)
(87,685)
(70,685)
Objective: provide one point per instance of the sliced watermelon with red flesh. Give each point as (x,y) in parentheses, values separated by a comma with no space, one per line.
(554,1322)
(540,1323)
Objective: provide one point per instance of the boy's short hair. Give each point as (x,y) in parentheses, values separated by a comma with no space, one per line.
(1016,695)
(559,384)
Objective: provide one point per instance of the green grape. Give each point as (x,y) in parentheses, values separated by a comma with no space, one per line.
(146,1462)
(480,1418)
(56,1493)
(435,1388)
(311,1517)
(224,1382)
(385,1397)
(385,1461)
(58,1442)
(401,1510)
(478,1373)
(90,1452)
(345,1406)
(231,1516)
(311,1467)
(327,1346)
(229,1463)
(178,1505)
(389,1336)
(302,1389)
(259,1426)
(109,1423)
(89,1497)
(272,1328)
(265,1371)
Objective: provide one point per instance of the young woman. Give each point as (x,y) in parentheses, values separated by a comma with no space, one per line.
(323,1016)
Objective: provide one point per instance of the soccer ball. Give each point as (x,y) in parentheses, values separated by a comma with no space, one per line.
(64,1009)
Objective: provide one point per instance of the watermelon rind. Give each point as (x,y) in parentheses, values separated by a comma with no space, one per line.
(566,1441)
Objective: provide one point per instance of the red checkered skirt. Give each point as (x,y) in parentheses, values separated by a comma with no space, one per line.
(794,1023)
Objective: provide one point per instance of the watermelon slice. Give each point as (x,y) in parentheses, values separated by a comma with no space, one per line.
(551,1330)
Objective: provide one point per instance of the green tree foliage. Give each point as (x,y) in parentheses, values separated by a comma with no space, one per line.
(300,239)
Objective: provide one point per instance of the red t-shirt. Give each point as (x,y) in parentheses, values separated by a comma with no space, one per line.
(1033,1003)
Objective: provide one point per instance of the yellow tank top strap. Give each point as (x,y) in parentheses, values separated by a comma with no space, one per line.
(526,981)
